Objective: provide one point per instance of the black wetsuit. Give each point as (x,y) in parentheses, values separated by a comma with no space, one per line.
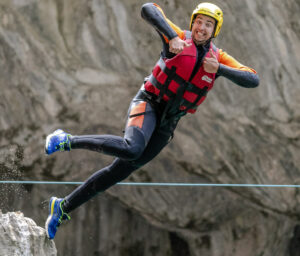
(140,144)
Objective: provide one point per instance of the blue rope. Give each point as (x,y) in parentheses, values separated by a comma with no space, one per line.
(161,184)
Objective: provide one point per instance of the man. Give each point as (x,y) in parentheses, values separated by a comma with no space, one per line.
(179,83)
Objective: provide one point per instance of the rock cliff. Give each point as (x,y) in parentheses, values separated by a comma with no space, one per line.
(76,64)
(20,236)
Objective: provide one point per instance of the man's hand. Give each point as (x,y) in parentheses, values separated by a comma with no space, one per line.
(176,45)
(211,65)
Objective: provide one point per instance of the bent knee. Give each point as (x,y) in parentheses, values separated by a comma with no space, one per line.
(135,143)
(133,153)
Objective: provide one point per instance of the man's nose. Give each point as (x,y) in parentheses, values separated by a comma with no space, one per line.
(201,26)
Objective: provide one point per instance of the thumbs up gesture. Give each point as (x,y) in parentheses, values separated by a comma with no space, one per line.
(176,45)
(211,63)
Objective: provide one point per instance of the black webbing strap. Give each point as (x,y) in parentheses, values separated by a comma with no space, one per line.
(169,93)
(176,99)
(160,87)
(170,74)
(193,105)
(178,79)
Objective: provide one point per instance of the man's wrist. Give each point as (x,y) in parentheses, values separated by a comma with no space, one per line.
(172,35)
(219,71)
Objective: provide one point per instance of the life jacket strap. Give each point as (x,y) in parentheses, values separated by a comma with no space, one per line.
(176,98)
(178,79)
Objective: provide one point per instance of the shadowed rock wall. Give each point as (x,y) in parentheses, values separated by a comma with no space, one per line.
(76,64)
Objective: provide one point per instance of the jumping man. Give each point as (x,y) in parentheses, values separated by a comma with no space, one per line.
(179,83)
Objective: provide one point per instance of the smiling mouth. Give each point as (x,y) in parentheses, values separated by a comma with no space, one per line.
(199,38)
(201,34)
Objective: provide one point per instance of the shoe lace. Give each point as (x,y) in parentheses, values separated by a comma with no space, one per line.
(64,215)
(65,145)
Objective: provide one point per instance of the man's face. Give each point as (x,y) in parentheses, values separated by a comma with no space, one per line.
(202,29)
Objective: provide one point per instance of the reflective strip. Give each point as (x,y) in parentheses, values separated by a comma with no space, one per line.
(134,118)
(162,64)
(138,114)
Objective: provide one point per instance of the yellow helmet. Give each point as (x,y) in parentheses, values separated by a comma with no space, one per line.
(210,10)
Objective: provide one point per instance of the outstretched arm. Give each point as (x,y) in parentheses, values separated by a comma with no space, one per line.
(242,78)
(236,72)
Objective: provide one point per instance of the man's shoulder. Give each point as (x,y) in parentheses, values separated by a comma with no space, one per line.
(187,34)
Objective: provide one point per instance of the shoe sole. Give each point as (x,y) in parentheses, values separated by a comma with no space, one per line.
(47,144)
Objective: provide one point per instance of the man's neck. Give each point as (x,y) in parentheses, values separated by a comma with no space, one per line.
(204,44)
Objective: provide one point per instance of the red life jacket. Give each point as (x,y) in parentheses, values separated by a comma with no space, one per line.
(170,79)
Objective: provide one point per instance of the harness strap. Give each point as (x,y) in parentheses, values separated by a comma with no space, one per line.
(193,105)
(176,99)
(160,87)
(178,79)
(170,74)
(169,93)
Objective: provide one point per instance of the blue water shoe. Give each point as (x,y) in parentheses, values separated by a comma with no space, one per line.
(56,216)
(57,141)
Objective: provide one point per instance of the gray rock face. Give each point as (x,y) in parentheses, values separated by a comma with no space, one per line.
(75,64)
(20,236)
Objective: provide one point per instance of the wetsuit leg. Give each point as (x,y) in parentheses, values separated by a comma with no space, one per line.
(118,170)
(140,125)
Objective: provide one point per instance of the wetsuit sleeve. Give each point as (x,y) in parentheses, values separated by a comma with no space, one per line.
(237,72)
(154,15)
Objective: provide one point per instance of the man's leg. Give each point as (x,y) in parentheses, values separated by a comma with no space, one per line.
(118,170)
(140,125)
(139,128)
(105,178)
(98,182)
